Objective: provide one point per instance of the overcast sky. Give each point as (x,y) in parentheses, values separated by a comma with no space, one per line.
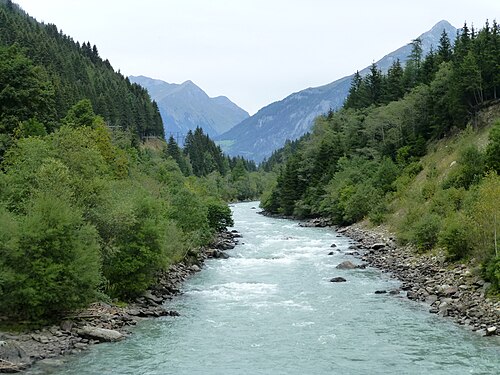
(253,51)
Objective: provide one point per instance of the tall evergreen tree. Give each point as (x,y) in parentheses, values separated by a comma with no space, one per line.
(394,86)
(444,51)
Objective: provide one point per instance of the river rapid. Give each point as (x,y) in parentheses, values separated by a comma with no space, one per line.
(271,309)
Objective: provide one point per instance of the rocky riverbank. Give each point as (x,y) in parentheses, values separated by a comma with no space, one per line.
(102,322)
(449,289)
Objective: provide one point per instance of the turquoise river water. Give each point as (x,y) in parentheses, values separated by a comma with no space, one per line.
(270,309)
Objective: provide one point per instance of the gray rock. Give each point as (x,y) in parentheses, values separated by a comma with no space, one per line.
(195,268)
(100,334)
(380,291)
(331,253)
(150,296)
(412,295)
(346,265)
(430,299)
(14,354)
(378,246)
(490,331)
(333,245)
(449,291)
(338,280)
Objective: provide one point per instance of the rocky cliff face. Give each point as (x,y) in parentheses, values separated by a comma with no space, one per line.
(259,135)
(185,106)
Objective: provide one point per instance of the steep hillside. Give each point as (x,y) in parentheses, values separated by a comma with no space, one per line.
(185,107)
(258,136)
(73,72)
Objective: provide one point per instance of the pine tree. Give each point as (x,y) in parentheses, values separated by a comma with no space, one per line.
(444,51)
(374,84)
(394,87)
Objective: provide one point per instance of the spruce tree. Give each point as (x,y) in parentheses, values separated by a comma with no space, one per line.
(444,51)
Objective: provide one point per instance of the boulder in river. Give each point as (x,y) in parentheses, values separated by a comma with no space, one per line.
(490,331)
(338,279)
(346,265)
(100,334)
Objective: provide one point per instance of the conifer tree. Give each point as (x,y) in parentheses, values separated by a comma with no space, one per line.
(444,51)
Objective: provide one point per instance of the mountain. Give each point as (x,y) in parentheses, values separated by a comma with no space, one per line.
(259,135)
(186,106)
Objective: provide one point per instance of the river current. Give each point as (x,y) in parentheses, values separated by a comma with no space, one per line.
(271,309)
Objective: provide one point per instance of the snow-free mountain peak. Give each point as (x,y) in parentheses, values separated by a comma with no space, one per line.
(259,135)
(185,106)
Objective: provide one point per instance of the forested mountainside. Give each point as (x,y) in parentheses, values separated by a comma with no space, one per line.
(43,58)
(288,119)
(186,107)
(410,148)
(91,207)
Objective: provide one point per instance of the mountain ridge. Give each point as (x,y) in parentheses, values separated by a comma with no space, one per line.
(259,135)
(186,106)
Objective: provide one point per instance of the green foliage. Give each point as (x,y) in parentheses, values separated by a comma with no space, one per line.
(469,169)
(205,156)
(492,271)
(493,149)
(81,114)
(219,216)
(424,232)
(81,215)
(454,237)
(140,241)
(50,260)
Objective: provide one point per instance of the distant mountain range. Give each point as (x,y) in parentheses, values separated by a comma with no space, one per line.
(185,106)
(259,135)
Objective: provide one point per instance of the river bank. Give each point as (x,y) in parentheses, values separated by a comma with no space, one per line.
(450,290)
(102,322)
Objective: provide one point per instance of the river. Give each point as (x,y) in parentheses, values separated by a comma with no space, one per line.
(271,309)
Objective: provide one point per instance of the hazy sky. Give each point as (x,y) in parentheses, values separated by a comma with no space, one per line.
(253,51)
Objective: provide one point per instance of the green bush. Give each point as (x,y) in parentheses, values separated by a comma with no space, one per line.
(50,260)
(219,216)
(469,169)
(492,271)
(424,232)
(139,241)
(454,237)
(493,149)
(445,202)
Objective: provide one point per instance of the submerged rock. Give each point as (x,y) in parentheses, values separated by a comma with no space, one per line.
(346,265)
(338,280)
